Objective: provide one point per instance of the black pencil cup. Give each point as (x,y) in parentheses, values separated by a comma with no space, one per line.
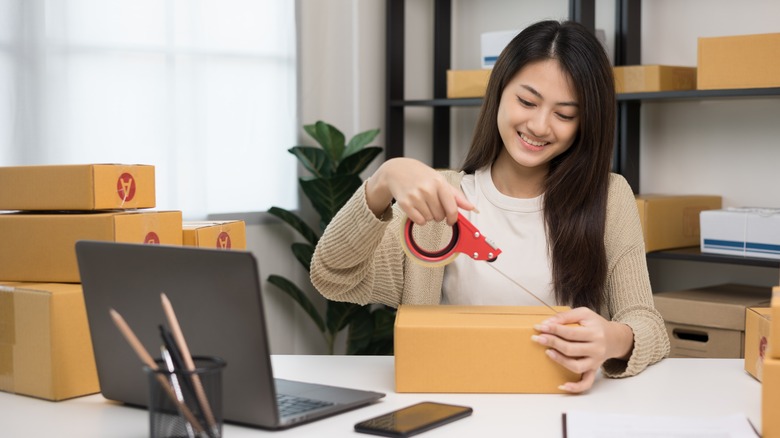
(186,404)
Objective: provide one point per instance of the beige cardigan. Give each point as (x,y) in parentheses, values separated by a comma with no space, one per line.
(360,259)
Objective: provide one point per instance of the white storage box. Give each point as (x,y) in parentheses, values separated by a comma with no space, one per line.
(493,43)
(748,232)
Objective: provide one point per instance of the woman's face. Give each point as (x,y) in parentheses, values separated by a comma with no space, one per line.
(538,115)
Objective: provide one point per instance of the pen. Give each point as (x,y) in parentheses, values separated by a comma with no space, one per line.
(190,365)
(175,382)
(148,361)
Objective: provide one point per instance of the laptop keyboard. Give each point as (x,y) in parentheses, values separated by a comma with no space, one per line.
(293,405)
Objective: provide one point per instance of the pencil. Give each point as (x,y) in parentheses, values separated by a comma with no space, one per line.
(185,351)
(139,349)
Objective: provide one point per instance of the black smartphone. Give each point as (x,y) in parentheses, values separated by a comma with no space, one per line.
(413,419)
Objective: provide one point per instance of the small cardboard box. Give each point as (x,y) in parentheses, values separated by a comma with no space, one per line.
(742,61)
(709,321)
(757,326)
(672,221)
(214,234)
(467,83)
(45,345)
(465,349)
(39,247)
(770,399)
(649,78)
(77,187)
(746,232)
(774,329)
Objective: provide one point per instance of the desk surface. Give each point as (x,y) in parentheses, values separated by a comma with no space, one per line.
(672,387)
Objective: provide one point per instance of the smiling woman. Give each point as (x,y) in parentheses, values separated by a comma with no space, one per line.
(204,91)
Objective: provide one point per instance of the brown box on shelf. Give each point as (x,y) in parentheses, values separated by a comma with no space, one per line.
(77,187)
(214,234)
(40,247)
(709,321)
(672,221)
(45,345)
(467,83)
(757,326)
(740,61)
(465,349)
(649,78)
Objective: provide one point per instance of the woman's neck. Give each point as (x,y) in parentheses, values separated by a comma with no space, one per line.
(512,179)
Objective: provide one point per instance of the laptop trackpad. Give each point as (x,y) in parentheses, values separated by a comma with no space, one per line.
(315,391)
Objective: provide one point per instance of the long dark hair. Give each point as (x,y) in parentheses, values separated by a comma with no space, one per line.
(575,189)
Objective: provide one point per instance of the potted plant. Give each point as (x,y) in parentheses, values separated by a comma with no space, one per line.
(335,169)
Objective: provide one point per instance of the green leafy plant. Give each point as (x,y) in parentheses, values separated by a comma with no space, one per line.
(335,169)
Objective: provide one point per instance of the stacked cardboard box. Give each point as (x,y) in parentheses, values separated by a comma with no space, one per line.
(229,234)
(770,382)
(45,346)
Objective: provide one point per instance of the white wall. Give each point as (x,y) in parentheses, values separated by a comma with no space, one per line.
(727,147)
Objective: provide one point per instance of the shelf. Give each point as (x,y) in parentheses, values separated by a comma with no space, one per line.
(658,95)
(694,254)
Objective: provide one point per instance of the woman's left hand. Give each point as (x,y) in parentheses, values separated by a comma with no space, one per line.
(584,347)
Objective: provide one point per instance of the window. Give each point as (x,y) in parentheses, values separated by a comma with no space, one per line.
(204,90)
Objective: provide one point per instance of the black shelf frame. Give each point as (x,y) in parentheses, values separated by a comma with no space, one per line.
(694,254)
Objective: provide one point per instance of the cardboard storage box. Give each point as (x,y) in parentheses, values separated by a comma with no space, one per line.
(770,399)
(709,321)
(45,346)
(742,61)
(747,232)
(41,247)
(214,234)
(464,349)
(467,83)
(757,326)
(77,187)
(649,78)
(672,221)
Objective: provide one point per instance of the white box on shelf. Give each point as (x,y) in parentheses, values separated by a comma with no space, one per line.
(745,231)
(492,45)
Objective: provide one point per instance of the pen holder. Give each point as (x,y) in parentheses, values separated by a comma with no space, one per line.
(186,403)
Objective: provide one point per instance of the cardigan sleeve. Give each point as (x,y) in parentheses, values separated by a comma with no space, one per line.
(628,292)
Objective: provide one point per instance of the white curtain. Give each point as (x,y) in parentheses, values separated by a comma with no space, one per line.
(205,90)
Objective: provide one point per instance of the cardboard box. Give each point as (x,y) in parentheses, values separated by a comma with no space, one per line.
(672,221)
(214,234)
(493,43)
(743,61)
(40,247)
(745,232)
(757,326)
(770,399)
(467,83)
(77,187)
(464,349)
(774,332)
(709,321)
(648,78)
(45,345)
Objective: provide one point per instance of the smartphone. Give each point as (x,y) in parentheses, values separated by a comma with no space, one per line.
(413,419)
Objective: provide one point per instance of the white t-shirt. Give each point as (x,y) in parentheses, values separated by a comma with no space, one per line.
(516,226)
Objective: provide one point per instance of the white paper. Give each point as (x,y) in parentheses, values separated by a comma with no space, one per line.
(582,424)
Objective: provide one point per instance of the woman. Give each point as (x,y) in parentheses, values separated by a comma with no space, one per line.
(537,181)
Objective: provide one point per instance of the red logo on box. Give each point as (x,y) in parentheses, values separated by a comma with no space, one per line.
(223,240)
(125,187)
(152,238)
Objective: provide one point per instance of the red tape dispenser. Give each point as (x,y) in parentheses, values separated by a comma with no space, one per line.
(466,239)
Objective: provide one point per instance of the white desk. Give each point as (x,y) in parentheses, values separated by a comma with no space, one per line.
(671,387)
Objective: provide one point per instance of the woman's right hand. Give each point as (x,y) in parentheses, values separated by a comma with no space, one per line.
(420,191)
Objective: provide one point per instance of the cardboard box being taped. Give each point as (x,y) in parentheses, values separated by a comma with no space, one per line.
(214,234)
(77,187)
(650,78)
(45,345)
(474,349)
(672,221)
(40,247)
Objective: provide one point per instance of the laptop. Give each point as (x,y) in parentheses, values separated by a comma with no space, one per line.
(217,300)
